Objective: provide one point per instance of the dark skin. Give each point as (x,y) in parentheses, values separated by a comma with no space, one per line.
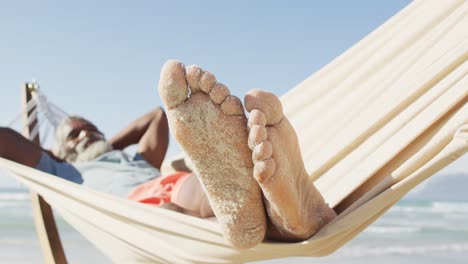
(76,130)
(15,147)
(150,132)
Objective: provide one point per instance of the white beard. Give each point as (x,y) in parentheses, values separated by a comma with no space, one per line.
(83,153)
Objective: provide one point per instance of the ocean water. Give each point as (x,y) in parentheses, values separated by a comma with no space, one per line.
(410,232)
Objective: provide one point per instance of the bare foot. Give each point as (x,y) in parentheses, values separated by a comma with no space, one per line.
(295,207)
(211,127)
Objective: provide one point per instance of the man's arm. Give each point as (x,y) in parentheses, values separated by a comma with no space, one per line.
(150,132)
(15,147)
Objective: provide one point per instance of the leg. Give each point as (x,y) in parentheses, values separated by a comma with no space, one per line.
(188,193)
(15,147)
(295,207)
(211,127)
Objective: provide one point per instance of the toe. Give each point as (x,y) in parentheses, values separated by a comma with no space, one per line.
(266,102)
(262,151)
(173,88)
(264,170)
(232,106)
(194,74)
(219,93)
(257,135)
(256,117)
(207,81)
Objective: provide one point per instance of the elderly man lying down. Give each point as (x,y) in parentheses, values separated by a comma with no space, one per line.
(247,172)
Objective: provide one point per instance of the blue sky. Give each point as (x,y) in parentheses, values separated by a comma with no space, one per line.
(101,59)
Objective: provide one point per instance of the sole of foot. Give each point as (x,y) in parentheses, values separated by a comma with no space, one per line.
(295,207)
(211,127)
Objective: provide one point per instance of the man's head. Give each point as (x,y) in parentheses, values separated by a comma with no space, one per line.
(77,139)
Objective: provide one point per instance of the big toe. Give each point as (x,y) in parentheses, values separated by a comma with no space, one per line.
(173,88)
(266,102)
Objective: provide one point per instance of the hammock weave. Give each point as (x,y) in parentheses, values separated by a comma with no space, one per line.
(377,121)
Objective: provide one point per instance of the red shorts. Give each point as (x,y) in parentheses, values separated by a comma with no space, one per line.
(180,188)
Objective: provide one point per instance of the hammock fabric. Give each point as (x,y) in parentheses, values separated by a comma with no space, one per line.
(373,124)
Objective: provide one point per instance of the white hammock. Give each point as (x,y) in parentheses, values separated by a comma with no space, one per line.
(372,125)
